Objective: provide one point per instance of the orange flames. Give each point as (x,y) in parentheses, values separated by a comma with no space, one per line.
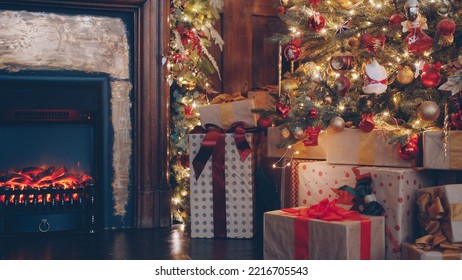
(33,179)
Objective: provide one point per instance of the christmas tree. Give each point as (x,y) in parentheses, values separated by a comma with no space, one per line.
(190,65)
(367,64)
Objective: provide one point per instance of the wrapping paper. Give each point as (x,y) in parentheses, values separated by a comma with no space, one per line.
(304,152)
(451,200)
(433,150)
(224,114)
(262,99)
(411,252)
(326,240)
(353,146)
(239,188)
(290,183)
(394,189)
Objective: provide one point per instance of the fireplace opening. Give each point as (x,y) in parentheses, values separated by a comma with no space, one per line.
(55,167)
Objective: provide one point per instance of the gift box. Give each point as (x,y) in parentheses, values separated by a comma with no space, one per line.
(262,98)
(222,196)
(412,252)
(290,237)
(224,114)
(393,188)
(356,147)
(298,150)
(437,156)
(290,182)
(440,211)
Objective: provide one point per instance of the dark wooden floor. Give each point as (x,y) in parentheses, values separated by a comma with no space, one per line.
(143,244)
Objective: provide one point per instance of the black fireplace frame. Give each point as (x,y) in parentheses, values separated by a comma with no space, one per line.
(67,98)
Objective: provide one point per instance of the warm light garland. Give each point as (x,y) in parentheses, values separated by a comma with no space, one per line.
(189,63)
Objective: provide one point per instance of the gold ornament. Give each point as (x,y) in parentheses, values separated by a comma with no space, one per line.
(353,42)
(289,85)
(337,124)
(405,75)
(327,99)
(283,2)
(428,111)
(285,133)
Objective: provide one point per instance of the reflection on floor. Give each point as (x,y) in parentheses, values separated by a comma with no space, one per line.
(141,244)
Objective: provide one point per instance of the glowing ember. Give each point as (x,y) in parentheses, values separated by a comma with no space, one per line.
(38,178)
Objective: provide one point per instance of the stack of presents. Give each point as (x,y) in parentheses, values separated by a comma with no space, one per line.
(349,197)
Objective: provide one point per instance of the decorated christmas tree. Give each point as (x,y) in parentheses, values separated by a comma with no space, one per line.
(390,64)
(191,65)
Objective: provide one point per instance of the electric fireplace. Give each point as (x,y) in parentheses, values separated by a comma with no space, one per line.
(55,152)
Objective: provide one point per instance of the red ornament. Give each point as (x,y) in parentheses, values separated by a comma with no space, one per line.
(372,43)
(188,111)
(282,109)
(367,124)
(395,20)
(446,29)
(342,61)
(342,85)
(316,22)
(264,122)
(313,113)
(418,41)
(292,52)
(411,149)
(312,134)
(431,76)
(178,57)
(281,10)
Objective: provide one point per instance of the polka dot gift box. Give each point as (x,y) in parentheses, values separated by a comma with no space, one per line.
(393,188)
(237,203)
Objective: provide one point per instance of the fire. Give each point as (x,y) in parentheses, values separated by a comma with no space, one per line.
(37,178)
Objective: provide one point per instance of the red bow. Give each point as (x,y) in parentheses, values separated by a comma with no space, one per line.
(324,210)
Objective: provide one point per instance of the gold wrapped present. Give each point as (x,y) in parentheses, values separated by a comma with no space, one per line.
(437,155)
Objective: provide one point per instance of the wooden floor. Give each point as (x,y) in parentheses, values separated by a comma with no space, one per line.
(144,244)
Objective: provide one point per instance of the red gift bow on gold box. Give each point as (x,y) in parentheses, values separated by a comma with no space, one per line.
(326,211)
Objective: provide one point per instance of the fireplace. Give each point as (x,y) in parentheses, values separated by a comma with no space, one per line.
(56,152)
(140,196)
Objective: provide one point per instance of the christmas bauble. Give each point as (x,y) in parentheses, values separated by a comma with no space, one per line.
(372,43)
(409,151)
(405,75)
(337,124)
(367,124)
(428,111)
(285,133)
(328,99)
(298,132)
(264,122)
(289,85)
(292,52)
(395,20)
(411,8)
(282,109)
(316,22)
(342,85)
(313,113)
(342,61)
(284,2)
(430,77)
(353,42)
(446,29)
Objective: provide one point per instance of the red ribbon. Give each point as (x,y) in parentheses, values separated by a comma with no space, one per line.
(213,145)
(369,81)
(326,211)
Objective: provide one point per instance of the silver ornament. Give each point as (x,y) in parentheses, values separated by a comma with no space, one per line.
(337,124)
(298,132)
(428,111)
(411,9)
